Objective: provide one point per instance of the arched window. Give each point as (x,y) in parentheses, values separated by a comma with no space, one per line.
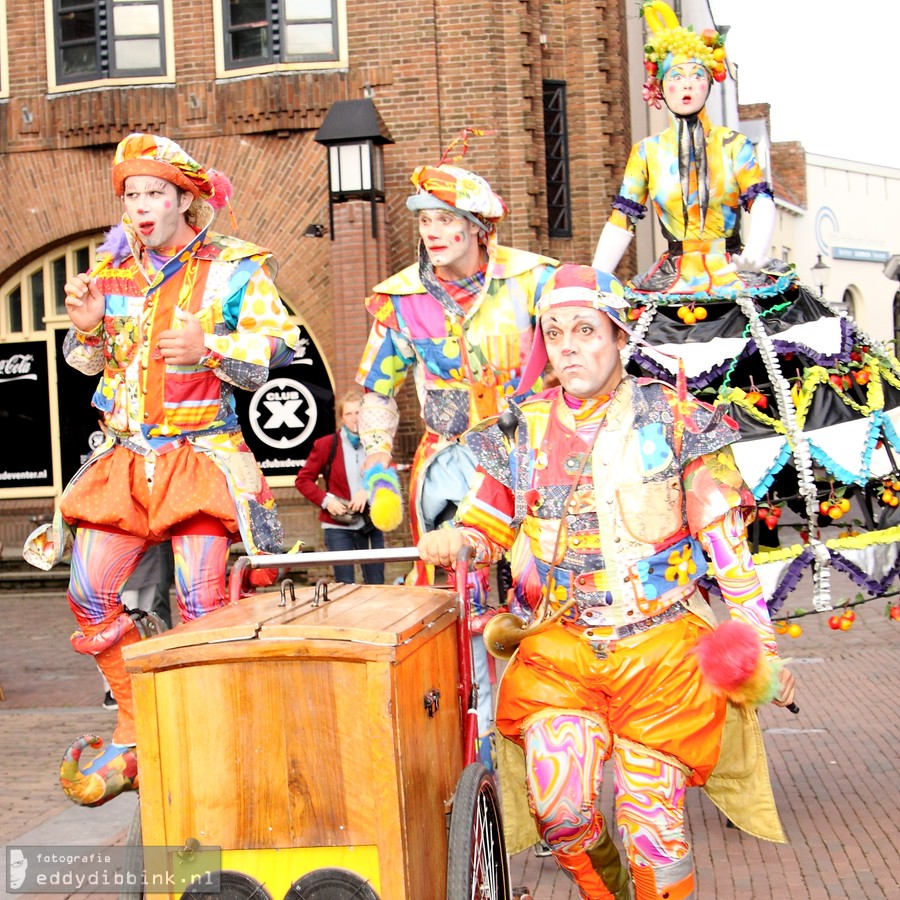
(36,293)
(849,302)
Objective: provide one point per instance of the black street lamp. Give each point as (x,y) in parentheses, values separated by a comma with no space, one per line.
(355,135)
(821,272)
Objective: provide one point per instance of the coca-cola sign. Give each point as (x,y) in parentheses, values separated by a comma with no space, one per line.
(26,451)
(16,367)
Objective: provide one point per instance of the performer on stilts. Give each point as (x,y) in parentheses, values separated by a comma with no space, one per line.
(461,319)
(817,400)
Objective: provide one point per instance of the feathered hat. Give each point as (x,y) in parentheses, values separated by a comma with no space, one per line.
(449,187)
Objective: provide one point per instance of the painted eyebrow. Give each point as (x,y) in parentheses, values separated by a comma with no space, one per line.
(548,321)
(579,317)
(158,184)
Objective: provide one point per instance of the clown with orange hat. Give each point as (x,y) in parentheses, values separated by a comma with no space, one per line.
(460,320)
(174,318)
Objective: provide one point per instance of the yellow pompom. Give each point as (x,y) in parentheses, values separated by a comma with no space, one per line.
(386,510)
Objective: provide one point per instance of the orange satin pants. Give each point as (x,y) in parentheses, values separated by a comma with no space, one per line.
(648,689)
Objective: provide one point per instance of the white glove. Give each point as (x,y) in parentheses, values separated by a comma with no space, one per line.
(756,250)
(611,247)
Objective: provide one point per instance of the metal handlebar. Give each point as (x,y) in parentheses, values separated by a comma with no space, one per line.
(467,698)
(302,560)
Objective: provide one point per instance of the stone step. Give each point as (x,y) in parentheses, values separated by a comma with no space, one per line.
(17,576)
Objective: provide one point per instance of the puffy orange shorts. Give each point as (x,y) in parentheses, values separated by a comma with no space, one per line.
(648,689)
(114,491)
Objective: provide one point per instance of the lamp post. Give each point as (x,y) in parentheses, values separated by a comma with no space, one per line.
(821,272)
(355,135)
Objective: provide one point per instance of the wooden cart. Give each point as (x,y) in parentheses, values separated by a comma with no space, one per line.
(319,737)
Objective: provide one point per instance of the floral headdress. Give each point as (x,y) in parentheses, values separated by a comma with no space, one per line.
(670,44)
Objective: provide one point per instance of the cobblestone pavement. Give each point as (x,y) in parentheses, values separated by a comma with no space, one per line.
(834,766)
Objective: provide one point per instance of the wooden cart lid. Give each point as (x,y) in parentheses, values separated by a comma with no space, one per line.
(376,614)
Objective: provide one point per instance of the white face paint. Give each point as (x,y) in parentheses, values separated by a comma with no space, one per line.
(451,241)
(156,209)
(685,88)
(583,347)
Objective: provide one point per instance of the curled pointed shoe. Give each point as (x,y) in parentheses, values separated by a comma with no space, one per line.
(108,775)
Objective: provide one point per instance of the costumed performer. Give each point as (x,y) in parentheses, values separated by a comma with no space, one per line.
(462,320)
(623,492)
(176,318)
(817,400)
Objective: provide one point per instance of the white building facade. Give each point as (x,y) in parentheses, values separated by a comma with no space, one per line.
(853,221)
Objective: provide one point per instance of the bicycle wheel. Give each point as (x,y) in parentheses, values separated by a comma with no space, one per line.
(477,867)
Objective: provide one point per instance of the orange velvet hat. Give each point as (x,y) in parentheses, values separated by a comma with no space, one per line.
(149,154)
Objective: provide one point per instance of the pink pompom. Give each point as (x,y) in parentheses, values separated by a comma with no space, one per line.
(729,656)
(222,189)
(733,662)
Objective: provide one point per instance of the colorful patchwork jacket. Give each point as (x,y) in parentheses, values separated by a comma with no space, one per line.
(466,363)
(624,543)
(151,406)
(697,194)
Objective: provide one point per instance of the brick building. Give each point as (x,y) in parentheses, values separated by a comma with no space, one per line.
(245,88)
